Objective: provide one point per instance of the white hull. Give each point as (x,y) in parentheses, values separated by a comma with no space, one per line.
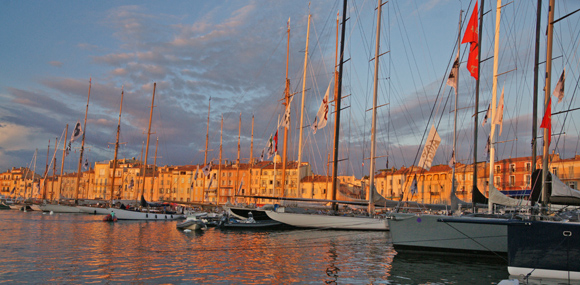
(35,207)
(543,273)
(134,215)
(94,210)
(425,232)
(59,208)
(329,222)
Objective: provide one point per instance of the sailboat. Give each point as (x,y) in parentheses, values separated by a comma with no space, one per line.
(146,213)
(104,211)
(335,221)
(58,208)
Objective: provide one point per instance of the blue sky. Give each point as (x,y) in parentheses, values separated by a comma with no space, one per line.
(234,52)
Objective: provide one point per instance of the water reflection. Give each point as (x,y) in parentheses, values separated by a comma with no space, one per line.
(76,248)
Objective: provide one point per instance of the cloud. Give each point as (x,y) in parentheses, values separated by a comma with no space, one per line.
(55,63)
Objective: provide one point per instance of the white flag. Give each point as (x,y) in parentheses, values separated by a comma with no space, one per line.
(559,90)
(414,188)
(86,164)
(77,132)
(285,123)
(270,147)
(430,149)
(206,169)
(452,161)
(452,80)
(487,115)
(498,120)
(322,115)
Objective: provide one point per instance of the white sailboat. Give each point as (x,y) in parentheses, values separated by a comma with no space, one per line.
(321,221)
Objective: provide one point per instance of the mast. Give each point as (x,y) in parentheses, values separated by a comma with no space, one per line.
(302,106)
(116,149)
(147,145)
(82,146)
(337,108)
(286,103)
(335,96)
(206,145)
(238,160)
(62,162)
(251,159)
(220,162)
(52,194)
(34,173)
(547,101)
(493,103)
(374,122)
(535,102)
(475,117)
(454,154)
(154,168)
(46,171)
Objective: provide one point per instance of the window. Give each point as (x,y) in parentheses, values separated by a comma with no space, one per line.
(513,167)
(497,181)
(512,180)
(555,170)
(498,168)
(528,166)
(572,184)
(101,172)
(528,179)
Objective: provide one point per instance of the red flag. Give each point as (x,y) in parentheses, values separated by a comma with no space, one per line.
(472,32)
(472,36)
(547,121)
(276,141)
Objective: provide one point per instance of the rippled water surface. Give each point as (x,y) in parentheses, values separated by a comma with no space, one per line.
(77,248)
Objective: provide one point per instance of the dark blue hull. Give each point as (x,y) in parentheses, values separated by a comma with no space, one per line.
(544,249)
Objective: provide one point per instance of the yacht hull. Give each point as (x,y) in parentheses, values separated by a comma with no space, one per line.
(329,222)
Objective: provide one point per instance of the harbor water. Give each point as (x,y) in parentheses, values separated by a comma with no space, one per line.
(48,248)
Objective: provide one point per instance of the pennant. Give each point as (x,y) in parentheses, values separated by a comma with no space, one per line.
(77,132)
(68,148)
(433,141)
(452,161)
(487,115)
(322,115)
(559,90)
(86,165)
(414,189)
(270,147)
(276,142)
(206,169)
(547,121)
(487,149)
(452,80)
(498,120)
(472,36)
(196,173)
(240,188)
(210,182)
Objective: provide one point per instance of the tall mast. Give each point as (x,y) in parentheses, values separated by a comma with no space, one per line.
(238,160)
(207,133)
(335,96)
(252,143)
(34,173)
(62,161)
(46,171)
(286,103)
(475,117)
(220,162)
(547,101)
(454,153)
(374,122)
(82,146)
(337,108)
(535,102)
(147,144)
(52,195)
(116,148)
(154,167)
(302,106)
(493,103)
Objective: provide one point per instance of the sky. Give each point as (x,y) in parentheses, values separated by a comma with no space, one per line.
(234,52)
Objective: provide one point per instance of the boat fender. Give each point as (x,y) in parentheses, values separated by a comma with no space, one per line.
(146,215)
(172,216)
(156,216)
(166,217)
(95,212)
